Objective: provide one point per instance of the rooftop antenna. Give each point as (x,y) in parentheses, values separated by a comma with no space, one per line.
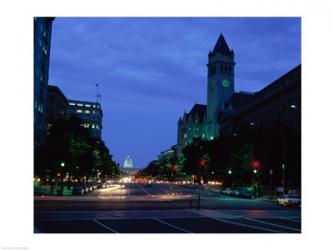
(97,92)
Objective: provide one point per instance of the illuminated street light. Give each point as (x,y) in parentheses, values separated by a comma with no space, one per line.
(62,164)
(229,171)
(293,106)
(255,171)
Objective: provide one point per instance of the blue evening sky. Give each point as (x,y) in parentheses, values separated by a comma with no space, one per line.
(152,69)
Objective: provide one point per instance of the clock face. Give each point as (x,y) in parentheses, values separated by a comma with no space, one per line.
(226,83)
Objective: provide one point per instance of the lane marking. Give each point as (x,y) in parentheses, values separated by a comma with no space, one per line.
(294,220)
(173,226)
(144,190)
(272,224)
(245,225)
(105,226)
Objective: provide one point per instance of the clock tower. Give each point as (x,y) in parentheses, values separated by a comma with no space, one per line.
(220,85)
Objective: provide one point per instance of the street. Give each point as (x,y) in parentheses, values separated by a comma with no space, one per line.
(161,208)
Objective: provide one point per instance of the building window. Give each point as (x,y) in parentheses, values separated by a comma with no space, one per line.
(72,104)
(93,125)
(79,110)
(212,70)
(44,50)
(79,104)
(87,111)
(87,105)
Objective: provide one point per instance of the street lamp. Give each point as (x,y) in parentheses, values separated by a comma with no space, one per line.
(271,180)
(283,176)
(62,164)
(229,171)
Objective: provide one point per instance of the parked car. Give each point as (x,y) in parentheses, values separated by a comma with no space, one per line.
(86,188)
(234,192)
(78,190)
(245,193)
(227,191)
(289,200)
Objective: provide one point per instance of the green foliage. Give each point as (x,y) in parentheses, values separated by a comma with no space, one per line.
(69,142)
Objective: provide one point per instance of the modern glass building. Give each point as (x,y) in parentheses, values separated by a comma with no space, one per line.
(90,114)
(42,45)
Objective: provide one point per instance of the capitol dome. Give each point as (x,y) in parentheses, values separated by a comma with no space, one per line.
(128,162)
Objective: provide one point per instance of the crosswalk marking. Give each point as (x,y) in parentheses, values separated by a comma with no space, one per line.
(272,224)
(245,225)
(144,190)
(105,226)
(173,226)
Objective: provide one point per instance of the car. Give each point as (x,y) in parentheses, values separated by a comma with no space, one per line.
(78,190)
(289,200)
(86,188)
(90,187)
(227,191)
(245,193)
(234,192)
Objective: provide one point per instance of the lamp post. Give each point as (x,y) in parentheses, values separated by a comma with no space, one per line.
(271,181)
(202,164)
(283,177)
(230,173)
(254,172)
(62,165)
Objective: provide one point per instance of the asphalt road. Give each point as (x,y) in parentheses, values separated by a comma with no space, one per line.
(162,208)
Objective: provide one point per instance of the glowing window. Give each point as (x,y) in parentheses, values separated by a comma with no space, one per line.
(72,103)
(79,104)
(87,105)
(93,125)
(79,110)
(87,111)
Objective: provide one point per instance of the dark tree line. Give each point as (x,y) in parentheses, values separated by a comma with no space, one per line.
(232,158)
(69,149)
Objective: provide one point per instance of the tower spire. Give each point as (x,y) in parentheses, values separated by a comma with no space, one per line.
(222,47)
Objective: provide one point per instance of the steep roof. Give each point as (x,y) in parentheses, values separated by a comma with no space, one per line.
(199,109)
(222,47)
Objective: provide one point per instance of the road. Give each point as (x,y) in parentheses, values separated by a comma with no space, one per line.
(162,208)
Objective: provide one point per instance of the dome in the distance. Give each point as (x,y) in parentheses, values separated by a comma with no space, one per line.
(128,162)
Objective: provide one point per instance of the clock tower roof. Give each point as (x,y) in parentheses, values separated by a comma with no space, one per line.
(222,47)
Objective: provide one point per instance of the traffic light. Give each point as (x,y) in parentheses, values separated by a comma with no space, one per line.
(255,164)
(202,163)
